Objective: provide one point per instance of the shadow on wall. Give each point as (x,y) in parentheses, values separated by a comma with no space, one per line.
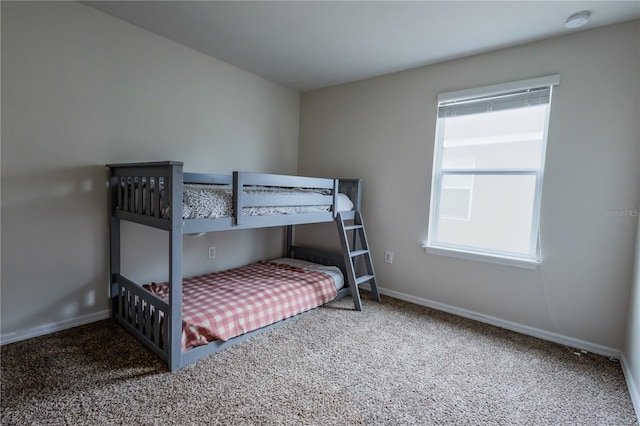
(323,236)
(54,246)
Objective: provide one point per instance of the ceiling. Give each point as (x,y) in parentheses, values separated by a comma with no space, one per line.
(307,45)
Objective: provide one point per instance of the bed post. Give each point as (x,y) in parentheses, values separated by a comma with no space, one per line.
(336,190)
(288,241)
(174,186)
(114,242)
(358,201)
(238,192)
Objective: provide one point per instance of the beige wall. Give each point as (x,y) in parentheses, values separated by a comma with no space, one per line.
(382,130)
(632,348)
(81,89)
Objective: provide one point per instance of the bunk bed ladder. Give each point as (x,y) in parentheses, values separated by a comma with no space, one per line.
(358,248)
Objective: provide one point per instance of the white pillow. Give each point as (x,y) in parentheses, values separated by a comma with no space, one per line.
(344,203)
(333,271)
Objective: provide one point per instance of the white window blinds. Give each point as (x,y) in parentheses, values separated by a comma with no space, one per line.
(504,101)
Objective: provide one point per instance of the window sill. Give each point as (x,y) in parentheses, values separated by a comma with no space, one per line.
(482,257)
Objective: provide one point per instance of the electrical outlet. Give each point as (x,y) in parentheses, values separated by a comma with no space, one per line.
(388,256)
(212,252)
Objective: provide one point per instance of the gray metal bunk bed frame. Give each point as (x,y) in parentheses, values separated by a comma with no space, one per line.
(158,324)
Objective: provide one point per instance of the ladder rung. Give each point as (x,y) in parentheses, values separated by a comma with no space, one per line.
(350,227)
(358,253)
(364,279)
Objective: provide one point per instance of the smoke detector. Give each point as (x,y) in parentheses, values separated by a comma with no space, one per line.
(578,19)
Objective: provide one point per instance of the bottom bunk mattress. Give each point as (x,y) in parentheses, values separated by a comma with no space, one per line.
(222,305)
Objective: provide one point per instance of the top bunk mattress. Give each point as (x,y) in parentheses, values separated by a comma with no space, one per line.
(202,201)
(226,304)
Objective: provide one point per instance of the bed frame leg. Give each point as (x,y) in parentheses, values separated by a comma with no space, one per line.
(175,269)
(114,244)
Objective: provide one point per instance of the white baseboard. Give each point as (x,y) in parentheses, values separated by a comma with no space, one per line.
(53,327)
(519,328)
(632,385)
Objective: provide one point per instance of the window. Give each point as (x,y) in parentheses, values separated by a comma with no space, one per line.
(456,191)
(487,172)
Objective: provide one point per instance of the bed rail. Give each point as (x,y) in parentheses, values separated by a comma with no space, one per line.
(141,192)
(241,180)
(142,313)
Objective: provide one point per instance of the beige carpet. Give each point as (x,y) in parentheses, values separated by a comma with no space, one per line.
(393,364)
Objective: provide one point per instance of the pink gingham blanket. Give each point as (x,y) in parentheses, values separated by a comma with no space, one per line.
(226,304)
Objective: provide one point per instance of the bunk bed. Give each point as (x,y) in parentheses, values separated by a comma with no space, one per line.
(161,195)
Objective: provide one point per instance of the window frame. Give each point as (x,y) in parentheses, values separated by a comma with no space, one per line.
(533,258)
